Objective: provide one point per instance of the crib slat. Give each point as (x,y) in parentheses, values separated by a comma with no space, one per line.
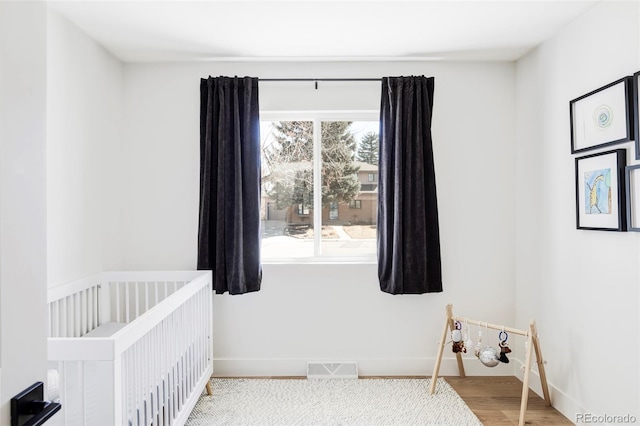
(140,376)
(96,305)
(70,317)
(77,315)
(146,297)
(90,309)
(131,385)
(147,375)
(179,367)
(170,372)
(72,320)
(143,388)
(80,308)
(83,312)
(163,369)
(151,391)
(188,357)
(138,387)
(134,384)
(156,287)
(174,370)
(136,298)
(117,302)
(151,382)
(63,318)
(127,301)
(90,325)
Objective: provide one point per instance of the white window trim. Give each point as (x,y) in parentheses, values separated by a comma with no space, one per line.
(317,117)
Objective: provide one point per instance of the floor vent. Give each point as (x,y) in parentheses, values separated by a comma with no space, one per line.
(329,370)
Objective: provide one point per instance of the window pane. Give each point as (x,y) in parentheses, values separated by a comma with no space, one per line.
(349,192)
(287,189)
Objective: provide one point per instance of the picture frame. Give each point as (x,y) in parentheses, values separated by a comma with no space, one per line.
(632,183)
(600,194)
(636,113)
(602,117)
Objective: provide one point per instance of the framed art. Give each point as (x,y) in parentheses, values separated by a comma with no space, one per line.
(600,195)
(602,117)
(636,113)
(632,180)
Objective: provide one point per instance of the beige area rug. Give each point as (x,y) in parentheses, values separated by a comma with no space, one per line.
(362,402)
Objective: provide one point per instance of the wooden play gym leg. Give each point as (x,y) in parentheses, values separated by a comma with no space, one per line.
(448,326)
(533,343)
(525,380)
(540,361)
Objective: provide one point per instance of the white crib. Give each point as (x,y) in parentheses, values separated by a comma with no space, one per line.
(130,348)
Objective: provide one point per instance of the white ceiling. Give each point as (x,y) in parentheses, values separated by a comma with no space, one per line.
(268,30)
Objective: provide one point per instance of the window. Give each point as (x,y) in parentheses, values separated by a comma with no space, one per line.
(323,161)
(305,206)
(333,210)
(373,177)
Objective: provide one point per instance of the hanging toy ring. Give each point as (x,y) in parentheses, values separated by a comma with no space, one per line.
(503,339)
(456,334)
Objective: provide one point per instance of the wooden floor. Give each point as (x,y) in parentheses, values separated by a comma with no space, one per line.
(496,401)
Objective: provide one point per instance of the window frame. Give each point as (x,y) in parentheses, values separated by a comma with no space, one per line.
(317,117)
(355,204)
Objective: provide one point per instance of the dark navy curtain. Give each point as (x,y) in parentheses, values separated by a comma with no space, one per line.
(229,226)
(408,236)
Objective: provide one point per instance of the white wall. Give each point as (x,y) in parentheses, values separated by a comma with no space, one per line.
(581,286)
(23,319)
(84,164)
(306,312)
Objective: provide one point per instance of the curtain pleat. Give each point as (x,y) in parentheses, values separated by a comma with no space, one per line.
(408,236)
(229,225)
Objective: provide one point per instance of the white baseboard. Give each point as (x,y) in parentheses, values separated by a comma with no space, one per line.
(235,367)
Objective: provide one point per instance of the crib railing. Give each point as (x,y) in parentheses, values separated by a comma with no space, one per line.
(74,310)
(111,297)
(162,369)
(153,370)
(130,299)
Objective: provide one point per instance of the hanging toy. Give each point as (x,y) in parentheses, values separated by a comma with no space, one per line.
(504,347)
(456,336)
(479,344)
(488,355)
(466,337)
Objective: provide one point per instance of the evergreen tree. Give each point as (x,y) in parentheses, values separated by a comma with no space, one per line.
(339,173)
(288,164)
(368,149)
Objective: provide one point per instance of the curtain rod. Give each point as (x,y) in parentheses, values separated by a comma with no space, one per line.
(319,79)
(316,80)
